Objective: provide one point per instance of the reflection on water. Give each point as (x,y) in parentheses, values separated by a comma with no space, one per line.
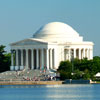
(50,92)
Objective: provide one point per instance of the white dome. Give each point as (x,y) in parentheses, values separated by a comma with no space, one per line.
(57,31)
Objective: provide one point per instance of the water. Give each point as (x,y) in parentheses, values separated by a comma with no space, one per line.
(50,92)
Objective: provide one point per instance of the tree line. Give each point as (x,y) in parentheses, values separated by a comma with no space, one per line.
(79,69)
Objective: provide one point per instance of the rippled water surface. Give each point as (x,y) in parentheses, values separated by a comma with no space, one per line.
(50,92)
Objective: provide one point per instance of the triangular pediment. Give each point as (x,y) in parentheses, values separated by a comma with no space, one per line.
(30,41)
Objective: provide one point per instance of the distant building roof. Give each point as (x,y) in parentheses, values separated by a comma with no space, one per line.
(98,74)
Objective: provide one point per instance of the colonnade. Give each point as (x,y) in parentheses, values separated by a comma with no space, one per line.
(45,58)
(32,59)
(79,53)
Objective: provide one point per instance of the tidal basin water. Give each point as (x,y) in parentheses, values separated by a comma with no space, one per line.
(50,92)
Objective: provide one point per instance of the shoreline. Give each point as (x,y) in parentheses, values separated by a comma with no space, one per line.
(35,83)
(31,82)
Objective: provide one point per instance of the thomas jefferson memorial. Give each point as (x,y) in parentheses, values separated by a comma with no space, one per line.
(52,43)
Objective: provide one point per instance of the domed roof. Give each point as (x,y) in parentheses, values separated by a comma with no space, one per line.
(56,31)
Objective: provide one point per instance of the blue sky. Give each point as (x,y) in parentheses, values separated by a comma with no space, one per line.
(19,19)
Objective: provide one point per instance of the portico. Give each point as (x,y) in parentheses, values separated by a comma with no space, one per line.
(32,58)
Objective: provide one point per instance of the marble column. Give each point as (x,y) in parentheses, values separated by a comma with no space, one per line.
(54,58)
(69,57)
(79,53)
(42,60)
(51,58)
(91,53)
(47,59)
(87,55)
(65,54)
(26,58)
(32,59)
(84,53)
(37,58)
(21,63)
(22,58)
(74,53)
(17,60)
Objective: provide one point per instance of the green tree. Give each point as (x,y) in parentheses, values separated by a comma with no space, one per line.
(4,59)
(65,66)
(65,69)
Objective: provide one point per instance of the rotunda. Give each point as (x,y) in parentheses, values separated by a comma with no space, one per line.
(57,31)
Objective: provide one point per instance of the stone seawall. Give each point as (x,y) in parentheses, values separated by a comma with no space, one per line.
(31,82)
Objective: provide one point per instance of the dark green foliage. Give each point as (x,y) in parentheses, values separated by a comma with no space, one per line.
(76,63)
(65,70)
(4,59)
(64,75)
(96,64)
(77,74)
(65,66)
(82,69)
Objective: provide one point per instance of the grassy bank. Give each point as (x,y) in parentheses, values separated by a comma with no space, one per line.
(98,82)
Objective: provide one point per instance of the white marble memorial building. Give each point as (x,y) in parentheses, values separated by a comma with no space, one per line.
(52,43)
